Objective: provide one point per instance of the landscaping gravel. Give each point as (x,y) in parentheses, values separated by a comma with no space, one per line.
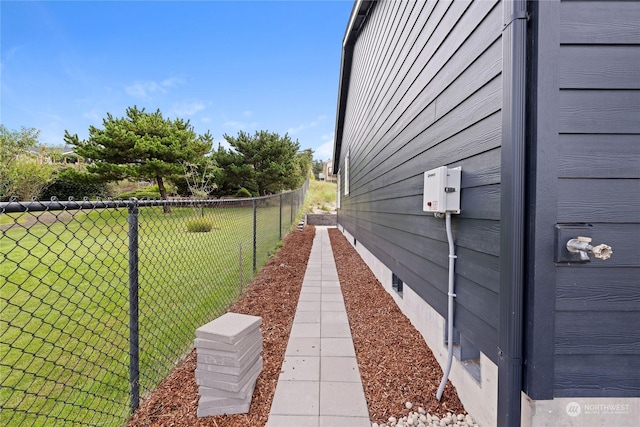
(395,364)
(421,418)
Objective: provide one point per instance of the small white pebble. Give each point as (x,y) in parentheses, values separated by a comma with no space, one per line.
(408,405)
(460,417)
(374,425)
(421,410)
(443,423)
(392,420)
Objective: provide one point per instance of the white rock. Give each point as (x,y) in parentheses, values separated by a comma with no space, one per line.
(421,410)
(374,425)
(408,405)
(423,418)
(460,417)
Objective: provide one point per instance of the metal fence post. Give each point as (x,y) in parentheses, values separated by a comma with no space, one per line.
(280,220)
(134,347)
(255,232)
(240,266)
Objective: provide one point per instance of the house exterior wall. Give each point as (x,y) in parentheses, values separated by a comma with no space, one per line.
(478,395)
(425,90)
(597,339)
(585,163)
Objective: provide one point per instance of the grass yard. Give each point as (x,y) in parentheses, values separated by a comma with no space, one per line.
(64,323)
(322,195)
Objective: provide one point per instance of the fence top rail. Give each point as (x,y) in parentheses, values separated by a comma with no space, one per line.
(58,205)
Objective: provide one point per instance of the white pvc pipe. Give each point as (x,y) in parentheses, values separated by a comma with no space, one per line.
(450,306)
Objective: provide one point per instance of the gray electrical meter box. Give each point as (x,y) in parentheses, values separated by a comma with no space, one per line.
(442,190)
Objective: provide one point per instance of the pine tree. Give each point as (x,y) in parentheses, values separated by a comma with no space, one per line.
(141,146)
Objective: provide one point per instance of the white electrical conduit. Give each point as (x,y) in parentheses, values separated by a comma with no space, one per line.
(450,306)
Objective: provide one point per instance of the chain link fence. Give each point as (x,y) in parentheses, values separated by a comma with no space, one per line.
(100,299)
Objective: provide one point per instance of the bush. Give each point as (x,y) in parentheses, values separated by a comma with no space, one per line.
(25,178)
(243,192)
(199,225)
(65,186)
(149,192)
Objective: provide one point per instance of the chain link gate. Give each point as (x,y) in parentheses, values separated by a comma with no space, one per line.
(100,299)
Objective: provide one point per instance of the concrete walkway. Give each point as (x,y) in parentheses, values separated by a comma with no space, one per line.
(319,384)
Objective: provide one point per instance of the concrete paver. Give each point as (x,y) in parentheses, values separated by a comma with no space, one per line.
(319,383)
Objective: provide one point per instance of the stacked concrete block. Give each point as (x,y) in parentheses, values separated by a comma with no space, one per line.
(229,362)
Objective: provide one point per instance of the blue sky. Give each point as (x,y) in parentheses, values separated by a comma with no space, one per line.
(224,65)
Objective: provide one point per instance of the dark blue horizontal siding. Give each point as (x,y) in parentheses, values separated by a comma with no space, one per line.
(597,319)
(425,91)
(594,375)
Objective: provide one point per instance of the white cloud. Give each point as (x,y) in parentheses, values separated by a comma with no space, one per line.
(324,151)
(9,53)
(188,108)
(92,115)
(239,125)
(313,123)
(328,136)
(12,51)
(171,82)
(236,125)
(247,113)
(233,124)
(144,89)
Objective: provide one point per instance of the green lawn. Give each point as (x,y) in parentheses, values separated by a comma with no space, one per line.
(321,194)
(64,322)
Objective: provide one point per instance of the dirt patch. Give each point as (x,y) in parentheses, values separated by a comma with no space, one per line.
(28,220)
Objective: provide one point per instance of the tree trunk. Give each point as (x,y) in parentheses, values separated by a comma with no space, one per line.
(163,193)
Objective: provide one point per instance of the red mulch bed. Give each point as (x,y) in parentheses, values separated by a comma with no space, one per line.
(395,364)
